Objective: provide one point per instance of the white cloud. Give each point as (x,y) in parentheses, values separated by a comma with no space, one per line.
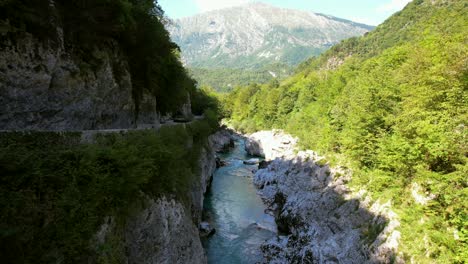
(393,6)
(207,5)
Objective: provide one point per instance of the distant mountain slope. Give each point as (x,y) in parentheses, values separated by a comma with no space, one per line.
(225,80)
(257,34)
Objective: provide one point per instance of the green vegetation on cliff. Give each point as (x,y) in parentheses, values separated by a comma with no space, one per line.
(55,193)
(391,105)
(86,27)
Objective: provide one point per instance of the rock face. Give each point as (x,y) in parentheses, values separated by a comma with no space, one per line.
(270,144)
(218,38)
(164,233)
(321,220)
(207,167)
(206,229)
(166,230)
(222,140)
(46,86)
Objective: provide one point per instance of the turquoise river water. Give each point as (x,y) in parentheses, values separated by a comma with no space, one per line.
(237,213)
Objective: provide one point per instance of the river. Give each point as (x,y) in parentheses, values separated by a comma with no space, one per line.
(237,213)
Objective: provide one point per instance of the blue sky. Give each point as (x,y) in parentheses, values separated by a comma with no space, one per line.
(372,12)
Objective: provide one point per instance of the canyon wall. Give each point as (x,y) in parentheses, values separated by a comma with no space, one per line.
(48,87)
(166,230)
(320,219)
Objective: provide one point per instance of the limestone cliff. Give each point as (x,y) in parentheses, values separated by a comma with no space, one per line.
(162,232)
(67,73)
(165,230)
(321,219)
(46,87)
(87,65)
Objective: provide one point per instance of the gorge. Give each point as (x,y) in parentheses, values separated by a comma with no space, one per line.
(104,158)
(213,43)
(236,211)
(319,219)
(114,150)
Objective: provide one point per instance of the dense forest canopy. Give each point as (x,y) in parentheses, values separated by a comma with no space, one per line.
(392,106)
(225,80)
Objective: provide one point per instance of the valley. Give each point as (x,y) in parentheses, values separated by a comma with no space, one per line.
(250,133)
(256,42)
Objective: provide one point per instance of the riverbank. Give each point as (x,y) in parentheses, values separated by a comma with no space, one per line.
(135,197)
(236,212)
(321,218)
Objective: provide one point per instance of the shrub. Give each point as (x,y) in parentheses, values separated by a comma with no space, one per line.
(55,193)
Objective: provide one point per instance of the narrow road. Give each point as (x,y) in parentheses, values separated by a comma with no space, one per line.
(88,136)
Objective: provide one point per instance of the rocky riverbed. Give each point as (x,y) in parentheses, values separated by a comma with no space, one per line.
(236,212)
(320,219)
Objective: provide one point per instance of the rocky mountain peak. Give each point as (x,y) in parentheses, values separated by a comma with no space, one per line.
(257,34)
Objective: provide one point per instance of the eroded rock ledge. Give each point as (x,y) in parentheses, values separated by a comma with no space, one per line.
(321,220)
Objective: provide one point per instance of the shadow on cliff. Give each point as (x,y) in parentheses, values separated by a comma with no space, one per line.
(319,219)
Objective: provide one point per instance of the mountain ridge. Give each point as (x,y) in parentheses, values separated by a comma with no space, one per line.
(217,38)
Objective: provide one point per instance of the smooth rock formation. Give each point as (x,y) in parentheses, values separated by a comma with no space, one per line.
(222,140)
(270,144)
(320,219)
(207,165)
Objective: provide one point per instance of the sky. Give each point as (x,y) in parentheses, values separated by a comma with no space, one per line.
(371,12)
